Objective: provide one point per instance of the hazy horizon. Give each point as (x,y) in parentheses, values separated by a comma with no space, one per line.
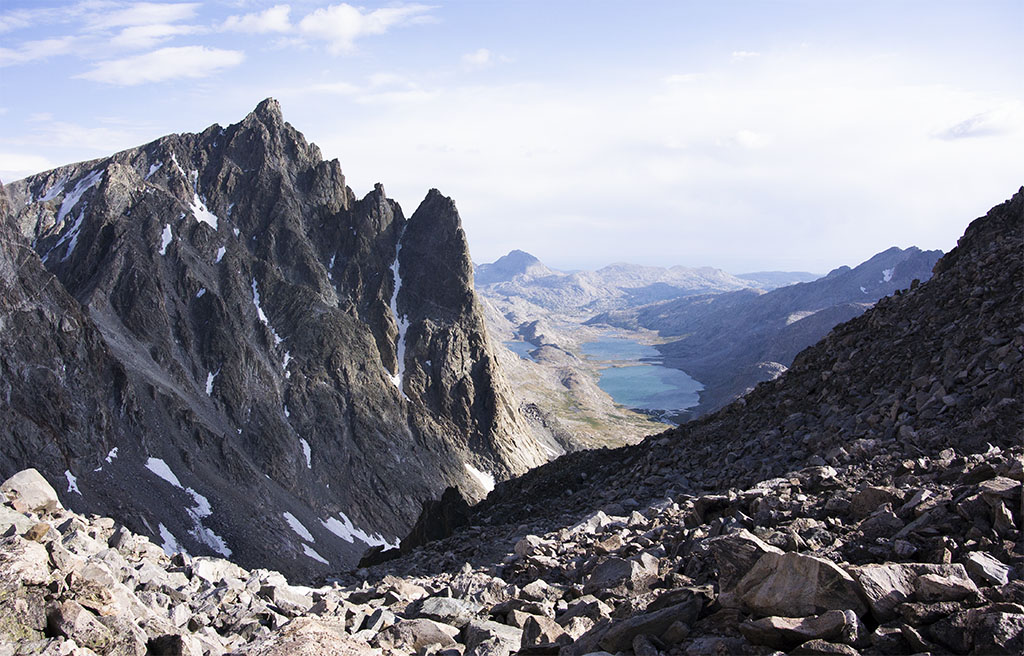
(745,136)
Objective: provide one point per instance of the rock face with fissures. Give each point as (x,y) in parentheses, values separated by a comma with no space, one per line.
(211,338)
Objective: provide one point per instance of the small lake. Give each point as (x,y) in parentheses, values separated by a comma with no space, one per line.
(632,374)
(522,349)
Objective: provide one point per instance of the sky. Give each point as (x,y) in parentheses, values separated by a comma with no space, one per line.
(786,135)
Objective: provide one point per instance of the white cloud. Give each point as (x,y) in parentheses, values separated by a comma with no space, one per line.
(139,37)
(144,13)
(35,50)
(744,54)
(340,25)
(995,122)
(274,19)
(478,59)
(14,166)
(164,64)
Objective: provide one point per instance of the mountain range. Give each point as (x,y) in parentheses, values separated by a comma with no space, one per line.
(866,501)
(211,338)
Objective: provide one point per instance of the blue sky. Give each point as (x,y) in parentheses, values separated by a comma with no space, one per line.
(743,135)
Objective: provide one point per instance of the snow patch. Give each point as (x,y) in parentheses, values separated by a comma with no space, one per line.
(797,316)
(54,191)
(170,543)
(235,230)
(887,274)
(401,321)
(220,255)
(209,381)
(485,480)
(112,455)
(72,482)
(153,168)
(72,236)
(298,527)
(174,160)
(345,530)
(261,314)
(311,552)
(84,185)
(198,512)
(863,290)
(160,468)
(199,294)
(202,507)
(165,238)
(286,413)
(306,451)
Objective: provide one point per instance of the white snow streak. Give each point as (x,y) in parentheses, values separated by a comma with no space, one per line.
(71,235)
(198,207)
(54,191)
(485,480)
(298,527)
(112,455)
(199,294)
(220,255)
(72,483)
(401,321)
(863,290)
(345,530)
(200,510)
(160,468)
(76,194)
(153,168)
(311,552)
(170,543)
(260,313)
(209,381)
(165,238)
(887,274)
(306,451)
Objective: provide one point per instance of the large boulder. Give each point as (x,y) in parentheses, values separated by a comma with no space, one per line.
(797,585)
(28,491)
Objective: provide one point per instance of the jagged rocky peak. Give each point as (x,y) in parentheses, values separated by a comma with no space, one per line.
(277,335)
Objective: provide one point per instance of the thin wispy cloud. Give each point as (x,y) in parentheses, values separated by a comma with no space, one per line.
(477,59)
(164,64)
(341,25)
(143,13)
(36,50)
(141,37)
(274,19)
(979,125)
(745,54)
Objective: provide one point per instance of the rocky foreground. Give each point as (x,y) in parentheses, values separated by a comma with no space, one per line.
(798,563)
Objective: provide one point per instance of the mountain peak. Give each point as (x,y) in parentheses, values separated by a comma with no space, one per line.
(269,111)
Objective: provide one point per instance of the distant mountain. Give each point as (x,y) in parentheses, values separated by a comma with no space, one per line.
(773,279)
(515,264)
(212,339)
(734,340)
(520,275)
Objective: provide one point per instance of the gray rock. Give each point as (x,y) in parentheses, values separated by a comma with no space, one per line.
(28,491)
(542,630)
(617,575)
(478,631)
(788,632)
(985,569)
(954,586)
(886,586)
(736,554)
(412,635)
(796,585)
(456,612)
(619,636)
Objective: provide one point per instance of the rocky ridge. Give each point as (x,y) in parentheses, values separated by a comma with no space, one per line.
(272,352)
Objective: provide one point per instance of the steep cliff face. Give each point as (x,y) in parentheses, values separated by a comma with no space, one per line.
(306,364)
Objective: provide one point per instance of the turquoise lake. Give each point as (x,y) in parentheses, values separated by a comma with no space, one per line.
(632,374)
